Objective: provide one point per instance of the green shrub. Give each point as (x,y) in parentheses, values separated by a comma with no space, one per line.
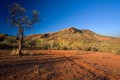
(117,52)
(10,39)
(1,39)
(64,48)
(5,45)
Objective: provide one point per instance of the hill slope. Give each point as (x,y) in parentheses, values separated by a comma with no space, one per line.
(70,38)
(70,32)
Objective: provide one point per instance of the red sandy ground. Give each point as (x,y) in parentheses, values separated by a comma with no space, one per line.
(60,65)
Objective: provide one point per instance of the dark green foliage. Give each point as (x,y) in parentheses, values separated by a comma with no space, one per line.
(2,36)
(8,42)
(64,48)
(1,39)
(30,43)
(10,39)
(7,45)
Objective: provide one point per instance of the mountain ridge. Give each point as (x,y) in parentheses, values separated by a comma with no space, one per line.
(73,30)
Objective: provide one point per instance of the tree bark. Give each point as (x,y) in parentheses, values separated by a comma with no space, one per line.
(20,43)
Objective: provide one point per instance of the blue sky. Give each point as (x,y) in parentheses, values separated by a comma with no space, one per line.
(100,16)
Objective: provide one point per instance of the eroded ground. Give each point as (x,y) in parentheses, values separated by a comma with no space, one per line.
(60,65)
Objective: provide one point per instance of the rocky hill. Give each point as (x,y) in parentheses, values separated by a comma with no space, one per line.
(77,34)
(70,38)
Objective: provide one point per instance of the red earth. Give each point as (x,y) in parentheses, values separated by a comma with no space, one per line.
(59,65)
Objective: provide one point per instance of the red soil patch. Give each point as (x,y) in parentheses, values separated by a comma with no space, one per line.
(60,65)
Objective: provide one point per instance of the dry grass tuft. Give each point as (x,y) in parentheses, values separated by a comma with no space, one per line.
(14,52)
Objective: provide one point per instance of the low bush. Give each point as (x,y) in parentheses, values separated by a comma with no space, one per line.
(14,52)
(117,52)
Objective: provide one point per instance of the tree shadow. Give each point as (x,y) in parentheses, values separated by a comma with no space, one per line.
(36,62)
(47,64)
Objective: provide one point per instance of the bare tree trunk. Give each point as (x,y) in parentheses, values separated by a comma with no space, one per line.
(20,43)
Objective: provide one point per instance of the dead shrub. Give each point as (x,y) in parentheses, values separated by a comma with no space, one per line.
(27,52)
(14,52)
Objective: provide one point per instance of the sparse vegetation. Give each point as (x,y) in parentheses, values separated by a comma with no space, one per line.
(19,19)
(69,54)
(67,39)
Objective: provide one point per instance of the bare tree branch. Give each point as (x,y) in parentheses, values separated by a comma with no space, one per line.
(19,19)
